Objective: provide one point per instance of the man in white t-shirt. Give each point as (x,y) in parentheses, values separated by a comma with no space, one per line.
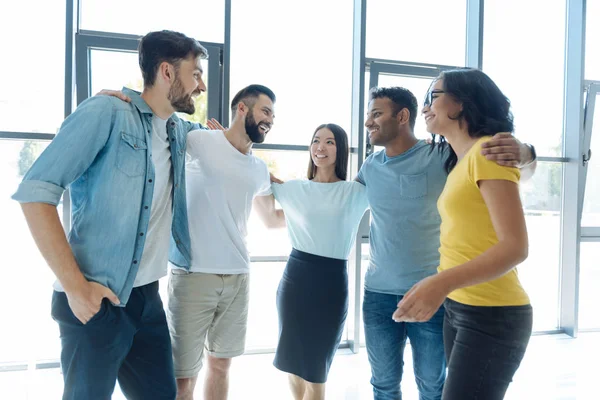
(208,304)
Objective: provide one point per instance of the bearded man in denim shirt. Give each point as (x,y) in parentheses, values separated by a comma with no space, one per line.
(124,166)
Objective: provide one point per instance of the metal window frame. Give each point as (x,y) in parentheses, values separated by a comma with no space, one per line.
(573,168)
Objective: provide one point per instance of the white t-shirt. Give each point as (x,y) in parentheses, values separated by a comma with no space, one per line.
(221,183)
(155,258)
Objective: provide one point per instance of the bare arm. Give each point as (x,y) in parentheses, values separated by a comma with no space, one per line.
(504,204)
(265,207)
(84,297)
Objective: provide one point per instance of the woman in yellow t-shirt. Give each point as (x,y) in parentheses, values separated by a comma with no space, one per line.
(483,237)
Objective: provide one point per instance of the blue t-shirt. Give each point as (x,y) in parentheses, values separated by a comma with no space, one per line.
(322,218)
(405,223)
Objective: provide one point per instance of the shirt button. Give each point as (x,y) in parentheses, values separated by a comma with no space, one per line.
(135,261)
(176,185)
(145,207)
(135,146)
(150,180)
(141,233)
(172,123)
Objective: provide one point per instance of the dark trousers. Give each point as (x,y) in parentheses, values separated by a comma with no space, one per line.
(131,344)
(484,347)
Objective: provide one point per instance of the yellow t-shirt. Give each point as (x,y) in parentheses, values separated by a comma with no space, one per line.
(467,230)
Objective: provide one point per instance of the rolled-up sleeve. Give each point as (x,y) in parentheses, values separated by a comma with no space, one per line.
(81,137)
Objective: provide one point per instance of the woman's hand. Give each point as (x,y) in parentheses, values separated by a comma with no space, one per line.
(275,179)
(422,301)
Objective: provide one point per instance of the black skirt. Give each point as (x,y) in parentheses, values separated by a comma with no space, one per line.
(312,303)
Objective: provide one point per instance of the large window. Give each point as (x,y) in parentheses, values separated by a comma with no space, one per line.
(592,40)
(202,20)
(539,274)
(431,31)
(527,63)
(304,56)
(26,284)
(32,71)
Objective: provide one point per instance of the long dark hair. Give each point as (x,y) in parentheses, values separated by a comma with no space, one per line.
(341,145)
(485,109)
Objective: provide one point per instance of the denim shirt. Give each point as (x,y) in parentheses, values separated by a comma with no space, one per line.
(103,154)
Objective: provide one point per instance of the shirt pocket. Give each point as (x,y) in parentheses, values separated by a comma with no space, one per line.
(131,155)
(412,186)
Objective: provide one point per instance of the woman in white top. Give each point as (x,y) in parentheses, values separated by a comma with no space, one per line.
(322,215)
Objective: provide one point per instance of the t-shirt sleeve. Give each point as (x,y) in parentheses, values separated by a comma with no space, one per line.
(265,184)
(194,143)
(480,169)
(360,177)
(361,203)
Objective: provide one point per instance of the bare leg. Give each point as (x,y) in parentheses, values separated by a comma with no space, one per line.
(314,391)
(217,378)
(185,388)
(298,386)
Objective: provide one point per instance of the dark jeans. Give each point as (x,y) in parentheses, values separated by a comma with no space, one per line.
(484,347)
(131,344)
(386,340)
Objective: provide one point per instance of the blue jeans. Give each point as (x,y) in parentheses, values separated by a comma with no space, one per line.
(131,344)
(386,340)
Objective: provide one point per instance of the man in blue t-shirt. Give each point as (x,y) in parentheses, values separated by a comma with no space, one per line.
(403,184)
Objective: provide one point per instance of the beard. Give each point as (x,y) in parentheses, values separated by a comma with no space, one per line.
(180,101)
(252,129)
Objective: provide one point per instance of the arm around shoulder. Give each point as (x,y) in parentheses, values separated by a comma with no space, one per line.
(265,207)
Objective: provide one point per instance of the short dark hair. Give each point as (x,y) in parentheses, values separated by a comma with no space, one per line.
(401,98)
(248,96)
(341,146)
(166,46)
(485,109)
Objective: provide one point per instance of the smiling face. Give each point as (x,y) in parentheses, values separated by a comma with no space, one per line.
(439,108)
(187,85)
(259,119)
(323,149)
(382,121)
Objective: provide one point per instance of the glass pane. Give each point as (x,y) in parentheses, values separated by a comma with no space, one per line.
(115,69)
(532,80)
(204,21)
(285,165)
(591,200)
(592,40)
(589,282)
(307,62)
(32,76)
(432,31)
(32,335)
(539,274)
(263,326)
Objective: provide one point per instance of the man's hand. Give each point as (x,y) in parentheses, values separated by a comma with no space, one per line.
(86,300)
(114,93)
(507,150)
(214,125)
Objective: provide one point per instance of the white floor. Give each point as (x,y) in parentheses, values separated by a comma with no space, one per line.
(555,368)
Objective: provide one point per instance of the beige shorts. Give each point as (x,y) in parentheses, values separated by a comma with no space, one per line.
(206,310)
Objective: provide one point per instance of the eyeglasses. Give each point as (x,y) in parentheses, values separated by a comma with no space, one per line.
(429,97)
